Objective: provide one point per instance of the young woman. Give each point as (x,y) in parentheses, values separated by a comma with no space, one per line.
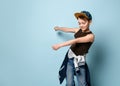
(75,59)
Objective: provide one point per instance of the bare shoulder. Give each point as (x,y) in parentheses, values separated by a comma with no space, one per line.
(91,37)
(76,30)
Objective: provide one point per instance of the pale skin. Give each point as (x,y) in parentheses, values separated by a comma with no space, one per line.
(84,26)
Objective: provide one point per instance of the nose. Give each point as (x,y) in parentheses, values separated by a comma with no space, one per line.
(80,25)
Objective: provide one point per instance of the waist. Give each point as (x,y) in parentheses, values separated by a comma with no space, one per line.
(71,54)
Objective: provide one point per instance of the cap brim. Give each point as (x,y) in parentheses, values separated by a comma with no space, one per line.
(77,15)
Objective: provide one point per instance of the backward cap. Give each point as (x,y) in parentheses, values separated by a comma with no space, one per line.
(86,14)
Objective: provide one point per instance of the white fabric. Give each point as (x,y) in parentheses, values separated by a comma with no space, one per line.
(78,60)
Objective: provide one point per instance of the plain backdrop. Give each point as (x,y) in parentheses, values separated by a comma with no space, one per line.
(27,34)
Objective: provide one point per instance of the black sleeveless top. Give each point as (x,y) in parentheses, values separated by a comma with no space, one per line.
(81,48)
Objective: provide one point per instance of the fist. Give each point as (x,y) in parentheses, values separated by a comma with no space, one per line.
(55,47)
(56,28)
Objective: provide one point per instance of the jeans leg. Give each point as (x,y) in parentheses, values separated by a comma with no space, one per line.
(81,76)
(70,73)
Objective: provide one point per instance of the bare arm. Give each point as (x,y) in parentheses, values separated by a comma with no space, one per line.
(65,29)
(88,38)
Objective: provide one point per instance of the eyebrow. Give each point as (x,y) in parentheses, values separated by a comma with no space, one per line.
(82,22)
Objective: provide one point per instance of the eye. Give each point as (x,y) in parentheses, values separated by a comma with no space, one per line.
(83,22)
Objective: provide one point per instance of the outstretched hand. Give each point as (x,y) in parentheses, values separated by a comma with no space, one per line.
(56,46)
(56,28)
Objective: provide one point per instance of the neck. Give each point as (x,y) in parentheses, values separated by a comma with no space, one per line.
(87,30)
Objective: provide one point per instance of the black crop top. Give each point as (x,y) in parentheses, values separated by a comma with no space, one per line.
(81,48)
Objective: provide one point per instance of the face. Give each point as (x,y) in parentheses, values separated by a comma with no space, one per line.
(83,24)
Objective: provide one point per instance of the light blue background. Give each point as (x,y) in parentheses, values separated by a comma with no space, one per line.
(26,37)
